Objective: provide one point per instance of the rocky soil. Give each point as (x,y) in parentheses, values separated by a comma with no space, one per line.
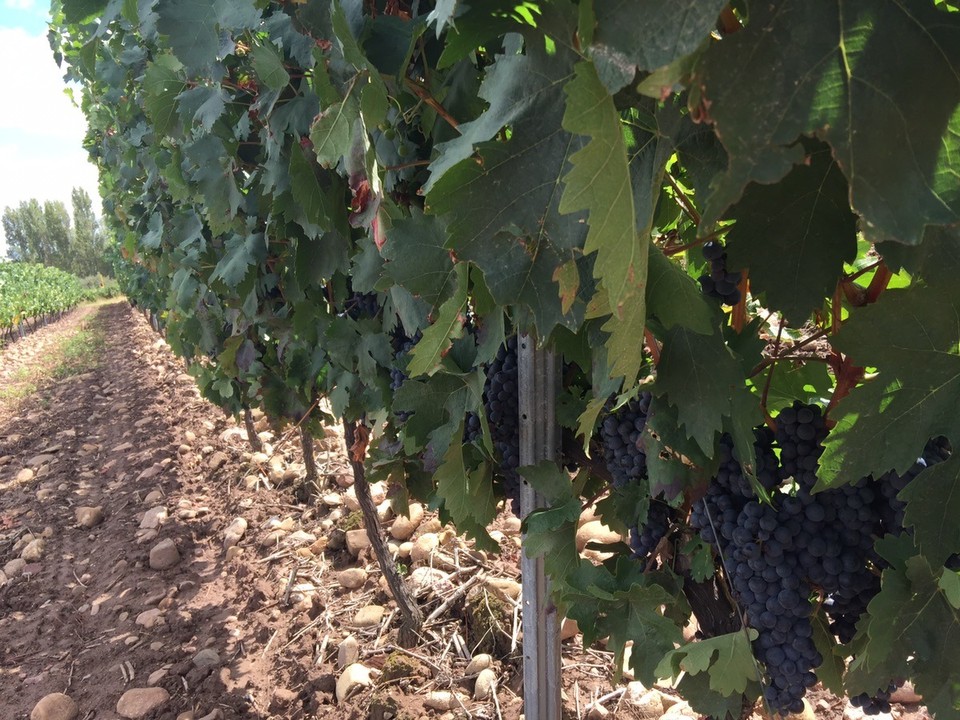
(154,567)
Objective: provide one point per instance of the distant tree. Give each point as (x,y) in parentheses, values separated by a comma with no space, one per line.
(88,239)
(25,229)
(44,234)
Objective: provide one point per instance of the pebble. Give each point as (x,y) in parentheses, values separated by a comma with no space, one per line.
(153,518)
(234,533)
(352,578)
(217,460)
(348,652)
(55,706)
(424,546)
(638,703)
(368,616)
(353,678)
(33,551)
(154,496)
(357,540)
(206,658)
(332,500)
(486,685)
(156,676)
(442,700)
(350,500)
(164,555)
(405,549)
(405,525)
(505,586)
(483,661)
(140,702)
(569,629)
(38,460)
(424,579)
(149,618)
(906,694)
(24,476)
(3,578)
(88,517)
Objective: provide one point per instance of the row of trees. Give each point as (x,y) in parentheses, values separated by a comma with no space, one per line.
(43,233)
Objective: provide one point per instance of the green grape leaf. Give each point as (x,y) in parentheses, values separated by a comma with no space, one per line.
(911,337)
(831,671)
(674,298)
(208,164)
(193,29)
(203,104)
(504,210)
(162,84)
(933,509)
(332,131)
(639,618)
(599,183)
(700,556)
(912,630)
(78,11)
(417,259)
(437,338)
(696,689)
(311,199)
(727,658)
(807,382)
(241,252)
(675,463)
(950,584)
(824,67)
(644,35)
(268,64)
(794,236)
(548,480)
(701,378)
(467,494)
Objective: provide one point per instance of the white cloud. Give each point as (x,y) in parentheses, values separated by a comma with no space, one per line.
(41,131)
(19,4)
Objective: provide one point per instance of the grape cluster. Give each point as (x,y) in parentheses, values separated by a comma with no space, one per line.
(878,703)
(621,435)
(719,283)
(402,344)
(776,556)
(645,538)
(472,429)
(362,305)
(501,402)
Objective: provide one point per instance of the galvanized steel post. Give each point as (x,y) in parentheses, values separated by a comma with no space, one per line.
(539,440)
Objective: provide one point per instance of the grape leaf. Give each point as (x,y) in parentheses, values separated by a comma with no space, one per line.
(825,67)
(436,340)
(933,509)
(831,671)
(912,631)
(504,212)
(77,11)
(807,382)
(242,251)
(210,166)
(203,104)
(315,212)
(268,64)
(417,259)
(162,84)
(467,494)
(332,130)
(950,584)
(193,29)
(703,380)
(674,298)
(599,183)
(794,236)
(728,658)
(911,337)
(643,35)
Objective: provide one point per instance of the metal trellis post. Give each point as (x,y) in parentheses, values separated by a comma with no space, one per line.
(539,440)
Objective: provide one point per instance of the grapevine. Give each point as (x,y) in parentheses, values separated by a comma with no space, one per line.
(354,209)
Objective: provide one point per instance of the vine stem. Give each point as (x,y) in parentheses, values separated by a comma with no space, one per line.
(652,345)
(421,92)
(766,386)
(765,363)
(252,436)
(677,249)
(682,200)
(312,477)
(356,436)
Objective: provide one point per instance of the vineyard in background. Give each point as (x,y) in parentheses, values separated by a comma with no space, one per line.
(736,224)
(33,294)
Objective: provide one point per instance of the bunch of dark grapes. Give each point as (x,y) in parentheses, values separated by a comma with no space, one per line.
(472,429)
(878,703)
(801,430)
(719,283)
(890,484)
(402,345)
(621,435)
(501,402)
(645,538)
(362,305)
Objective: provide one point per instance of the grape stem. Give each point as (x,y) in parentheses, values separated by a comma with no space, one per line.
(652,345)
(766,386)
(682,200)
(421,92)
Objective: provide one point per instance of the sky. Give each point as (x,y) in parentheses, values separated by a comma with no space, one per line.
(41,131)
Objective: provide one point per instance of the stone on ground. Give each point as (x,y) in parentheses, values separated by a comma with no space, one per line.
(353,678)
(55,706)
(88,517)
(140,702)
(164,555)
